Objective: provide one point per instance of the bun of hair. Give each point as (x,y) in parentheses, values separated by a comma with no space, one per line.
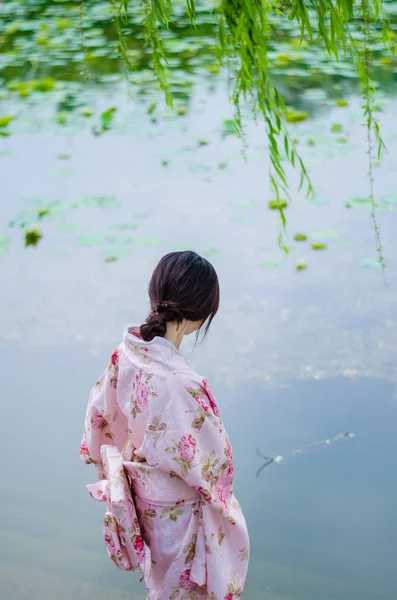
(156,322)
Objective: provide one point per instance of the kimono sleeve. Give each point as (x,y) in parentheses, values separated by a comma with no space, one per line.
(105,423)
(186,438)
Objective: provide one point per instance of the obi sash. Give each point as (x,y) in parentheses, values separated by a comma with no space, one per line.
(124,480)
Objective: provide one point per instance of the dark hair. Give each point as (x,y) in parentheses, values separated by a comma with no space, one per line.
(184,285)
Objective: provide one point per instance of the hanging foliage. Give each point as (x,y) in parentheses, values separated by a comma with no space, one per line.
(244,30)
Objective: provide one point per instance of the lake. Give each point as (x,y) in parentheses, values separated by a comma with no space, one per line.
(297,357)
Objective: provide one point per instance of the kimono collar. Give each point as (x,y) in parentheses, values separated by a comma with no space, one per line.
(132,335)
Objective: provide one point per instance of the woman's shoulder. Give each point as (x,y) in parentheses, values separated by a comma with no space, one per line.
(198,388)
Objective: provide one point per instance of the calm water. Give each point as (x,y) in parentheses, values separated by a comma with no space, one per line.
(295,357)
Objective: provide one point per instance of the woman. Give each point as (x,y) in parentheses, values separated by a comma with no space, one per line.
(153,432)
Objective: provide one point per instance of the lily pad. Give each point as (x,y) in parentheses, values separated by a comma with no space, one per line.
(270,265)
(86,111)
(296,116)
(6,120)
(4,243)
(245,203)
(68,227)
(301,265)
(358,202)
(97,202)
(125,226)
(32,236)
(44,85)
(230,127)
(199,169)
(370,262)
(278,204)
(148,241)
(181,109)
(112,254)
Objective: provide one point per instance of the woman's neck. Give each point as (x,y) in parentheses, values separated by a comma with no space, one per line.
(175,333)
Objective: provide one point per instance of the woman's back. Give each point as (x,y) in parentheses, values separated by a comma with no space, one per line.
(153,432)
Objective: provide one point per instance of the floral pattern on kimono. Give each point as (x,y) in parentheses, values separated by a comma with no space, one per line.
(181,470)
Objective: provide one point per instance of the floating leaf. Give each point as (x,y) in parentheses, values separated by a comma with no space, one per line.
(342,102)
(278,204)
(125,226)
(148,241)
(93,239)
(390,199)
(6,120)
(44,85)
(4,243)
(245,203)
(32,236)
(301,265)
(112,254)
(336,128)
(181,109)
(230,127)
(164,163)
(68,227)
(311,142)
(199,169)
(370,262)
(318,246)
(61,117)
(300,237)
(107,117)
(341,139)
(86,111)
(296,117)
(151,108)
(202,142)
(63,156)
(358,202)
(97,202)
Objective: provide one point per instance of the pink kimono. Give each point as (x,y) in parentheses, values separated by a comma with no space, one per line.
(165,463)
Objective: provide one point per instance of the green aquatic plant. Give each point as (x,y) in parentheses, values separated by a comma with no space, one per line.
(296,117)
(300,237)
(318,246)
(6,120)
(278,204)
(301,265)
(32,236)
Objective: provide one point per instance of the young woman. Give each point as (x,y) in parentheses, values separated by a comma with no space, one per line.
(153,431)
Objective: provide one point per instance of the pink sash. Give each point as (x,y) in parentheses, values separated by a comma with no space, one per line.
(122,533)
